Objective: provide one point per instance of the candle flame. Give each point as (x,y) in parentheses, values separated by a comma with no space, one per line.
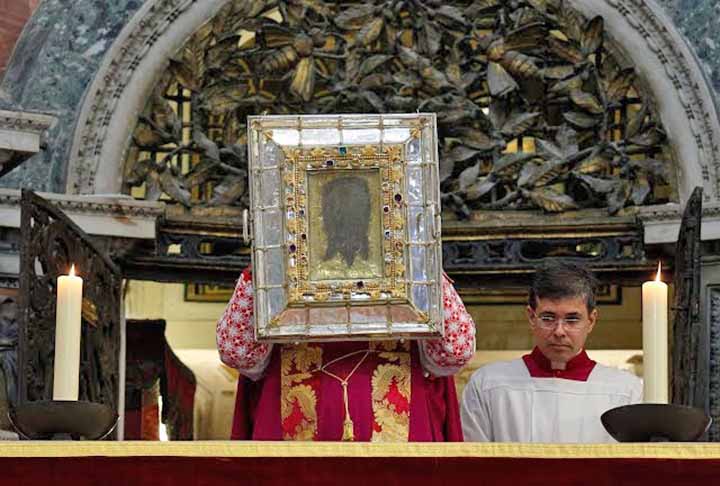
(657,277)
(72,270)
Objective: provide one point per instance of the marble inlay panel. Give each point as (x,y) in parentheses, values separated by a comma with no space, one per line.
(699,21)
(55,59)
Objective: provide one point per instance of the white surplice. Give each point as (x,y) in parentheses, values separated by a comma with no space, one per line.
(503,403)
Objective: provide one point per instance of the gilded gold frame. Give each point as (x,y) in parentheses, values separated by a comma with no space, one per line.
(299,165)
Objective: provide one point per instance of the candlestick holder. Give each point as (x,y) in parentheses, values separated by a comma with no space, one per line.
(656,422)
(63,420)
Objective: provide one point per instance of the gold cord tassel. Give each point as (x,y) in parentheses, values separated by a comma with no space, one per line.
(348,430)
(348,426)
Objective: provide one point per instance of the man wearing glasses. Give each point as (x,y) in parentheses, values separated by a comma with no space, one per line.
(556,393)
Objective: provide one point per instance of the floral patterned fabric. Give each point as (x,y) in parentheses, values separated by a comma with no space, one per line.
(239,349)
(444,357)
(236,334)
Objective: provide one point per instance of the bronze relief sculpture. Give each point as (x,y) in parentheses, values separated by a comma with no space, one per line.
(536,108)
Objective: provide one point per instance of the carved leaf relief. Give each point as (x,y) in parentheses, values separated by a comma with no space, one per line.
(535,110)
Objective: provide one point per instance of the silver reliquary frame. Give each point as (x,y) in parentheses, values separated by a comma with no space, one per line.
(346,227)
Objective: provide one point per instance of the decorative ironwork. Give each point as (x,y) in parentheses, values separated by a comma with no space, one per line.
(535,109)
(205,248)
(687,385)
(514,296)
(505,254)
(51,242)
(714,371)
(8,353)
(500,255)
(183,257)
(714,362)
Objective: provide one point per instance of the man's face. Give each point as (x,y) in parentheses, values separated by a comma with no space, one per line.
(561,327)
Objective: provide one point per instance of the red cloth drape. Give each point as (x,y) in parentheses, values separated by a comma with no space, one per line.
(179,396)
(152,369)
(353,471)
(144,368)
(144,423)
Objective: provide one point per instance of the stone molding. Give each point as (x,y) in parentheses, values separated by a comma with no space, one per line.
(661,224)
(109,215)
(20,121)
(111,205)
(673,211)
(21,135)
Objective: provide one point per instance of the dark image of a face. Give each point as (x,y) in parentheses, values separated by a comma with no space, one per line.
(346,209)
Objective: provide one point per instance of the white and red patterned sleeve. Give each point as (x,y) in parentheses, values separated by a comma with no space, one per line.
(236,333)
(445,357)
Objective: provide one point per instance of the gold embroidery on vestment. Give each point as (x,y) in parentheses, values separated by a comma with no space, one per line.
(394,424)
(295,365)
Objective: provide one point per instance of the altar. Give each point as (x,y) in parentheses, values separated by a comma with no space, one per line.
(579,130)
(260,463)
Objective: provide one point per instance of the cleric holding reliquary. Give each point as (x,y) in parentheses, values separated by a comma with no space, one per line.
(354,217)
(400,390)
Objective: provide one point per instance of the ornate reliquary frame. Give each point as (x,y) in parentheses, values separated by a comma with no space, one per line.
(346,227)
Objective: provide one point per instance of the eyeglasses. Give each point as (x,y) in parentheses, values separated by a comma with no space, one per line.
(550,321)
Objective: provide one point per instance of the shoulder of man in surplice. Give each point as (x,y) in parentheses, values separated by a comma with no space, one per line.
(614,376)
(498,373)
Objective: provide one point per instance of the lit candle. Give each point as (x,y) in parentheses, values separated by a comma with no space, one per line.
(655,340)
(67,337)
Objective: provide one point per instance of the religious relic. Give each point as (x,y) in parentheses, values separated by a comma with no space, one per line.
(345,220)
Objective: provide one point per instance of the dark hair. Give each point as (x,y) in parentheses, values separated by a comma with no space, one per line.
(561,280)
(346,218)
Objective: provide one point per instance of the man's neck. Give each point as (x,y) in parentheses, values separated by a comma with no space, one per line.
(558,365)
(561,365)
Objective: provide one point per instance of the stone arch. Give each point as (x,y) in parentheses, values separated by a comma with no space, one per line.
(684,96)
(119,91)
(131,68)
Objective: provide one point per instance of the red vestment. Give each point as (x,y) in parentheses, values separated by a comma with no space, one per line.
(400,390)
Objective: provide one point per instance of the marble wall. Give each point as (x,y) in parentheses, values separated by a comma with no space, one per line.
(54,62)
(63,44)
(699,21)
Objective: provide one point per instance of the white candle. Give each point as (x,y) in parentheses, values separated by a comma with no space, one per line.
(655,340)
(67,337)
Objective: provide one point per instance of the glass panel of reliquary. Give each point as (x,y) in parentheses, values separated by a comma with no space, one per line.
(346,228)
